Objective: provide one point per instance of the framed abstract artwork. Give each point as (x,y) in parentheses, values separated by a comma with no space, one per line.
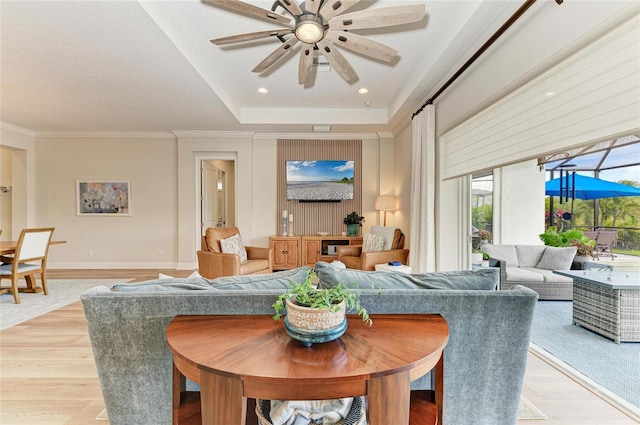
(103,197)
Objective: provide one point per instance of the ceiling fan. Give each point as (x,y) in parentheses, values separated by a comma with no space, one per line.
(321,25)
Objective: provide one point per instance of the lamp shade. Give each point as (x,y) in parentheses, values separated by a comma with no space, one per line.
(386,203)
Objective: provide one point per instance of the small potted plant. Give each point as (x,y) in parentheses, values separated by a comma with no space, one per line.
(317,314)
(353,221)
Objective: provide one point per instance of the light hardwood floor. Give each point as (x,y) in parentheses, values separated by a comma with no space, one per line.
(48,377)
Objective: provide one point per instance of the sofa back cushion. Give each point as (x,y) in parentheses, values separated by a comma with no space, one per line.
(277,280)
(502,252)
(484,279)
(555,258)
(529,255)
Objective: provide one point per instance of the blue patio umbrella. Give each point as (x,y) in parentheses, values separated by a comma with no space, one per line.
(588,188)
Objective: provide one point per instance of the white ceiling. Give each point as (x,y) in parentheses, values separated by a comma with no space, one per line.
(149,66)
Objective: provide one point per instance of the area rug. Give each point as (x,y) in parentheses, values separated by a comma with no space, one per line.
(62,292)
(613,368)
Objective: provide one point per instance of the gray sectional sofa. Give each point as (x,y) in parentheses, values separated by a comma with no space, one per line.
(532,266)
(485,358)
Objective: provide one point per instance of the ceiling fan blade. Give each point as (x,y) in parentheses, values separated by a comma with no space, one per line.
(364,46)
(381,17)
(312,6)
(337,61)
(333,8)
(306,64)
(291,6)
(249,9)
(249,36)
(275,55)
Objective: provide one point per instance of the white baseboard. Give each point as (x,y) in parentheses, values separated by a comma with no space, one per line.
(122,265)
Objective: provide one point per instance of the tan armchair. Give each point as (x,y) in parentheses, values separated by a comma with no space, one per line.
(353,257)
(212,262)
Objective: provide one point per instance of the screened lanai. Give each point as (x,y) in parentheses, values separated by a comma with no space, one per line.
(616,160)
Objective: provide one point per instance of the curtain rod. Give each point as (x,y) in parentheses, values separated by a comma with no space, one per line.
(527,4)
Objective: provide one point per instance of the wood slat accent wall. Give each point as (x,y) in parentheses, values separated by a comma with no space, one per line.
(309,218)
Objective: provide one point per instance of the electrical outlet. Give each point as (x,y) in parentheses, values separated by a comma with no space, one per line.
(160,252)
(90,252)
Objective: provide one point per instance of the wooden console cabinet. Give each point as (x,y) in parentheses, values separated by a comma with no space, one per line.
(320,248)
(286,252)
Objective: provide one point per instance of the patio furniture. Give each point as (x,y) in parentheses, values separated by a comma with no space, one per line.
(607,303)
(604,242)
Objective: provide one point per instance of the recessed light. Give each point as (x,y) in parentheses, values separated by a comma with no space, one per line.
(550,93)
(363,90)
(263,90)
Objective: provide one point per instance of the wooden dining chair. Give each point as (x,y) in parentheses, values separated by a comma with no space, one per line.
(29,259)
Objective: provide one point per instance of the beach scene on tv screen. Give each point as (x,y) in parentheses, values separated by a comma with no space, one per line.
(320,180)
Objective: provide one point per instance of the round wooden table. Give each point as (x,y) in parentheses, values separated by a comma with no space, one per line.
(239,357)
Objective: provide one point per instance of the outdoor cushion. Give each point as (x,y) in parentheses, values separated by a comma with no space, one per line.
(517,274)
(550,276)
(502,252)
(529,255)
(483,279)
(557,258)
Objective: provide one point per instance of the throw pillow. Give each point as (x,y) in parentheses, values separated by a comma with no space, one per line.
(555,258)
(387,234)
(234,245)
(371,242)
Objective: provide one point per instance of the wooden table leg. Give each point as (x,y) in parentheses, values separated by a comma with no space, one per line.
(222,401)
(178,388)
(389,399)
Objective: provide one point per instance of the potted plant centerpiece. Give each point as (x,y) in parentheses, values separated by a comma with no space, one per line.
(354,222)
(315,314)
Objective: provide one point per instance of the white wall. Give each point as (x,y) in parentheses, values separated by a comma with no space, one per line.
(147,238)
(519,204)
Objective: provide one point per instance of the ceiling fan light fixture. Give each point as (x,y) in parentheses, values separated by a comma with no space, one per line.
(309,29)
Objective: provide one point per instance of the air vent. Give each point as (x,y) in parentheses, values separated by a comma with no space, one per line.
(321,64)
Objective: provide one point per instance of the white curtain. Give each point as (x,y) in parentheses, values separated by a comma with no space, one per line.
(422,255)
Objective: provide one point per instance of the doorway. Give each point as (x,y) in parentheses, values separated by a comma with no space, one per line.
(217,193)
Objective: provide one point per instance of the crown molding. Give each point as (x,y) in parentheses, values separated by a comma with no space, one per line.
(106,134)
(316,136)
(226,134)
(16,129)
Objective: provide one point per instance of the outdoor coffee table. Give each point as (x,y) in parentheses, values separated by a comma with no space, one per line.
(607,302)
(238,357)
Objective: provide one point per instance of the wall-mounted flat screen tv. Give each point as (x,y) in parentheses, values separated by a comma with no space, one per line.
(320,181)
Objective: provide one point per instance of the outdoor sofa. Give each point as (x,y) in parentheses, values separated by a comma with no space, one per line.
(485,357)
(532,266)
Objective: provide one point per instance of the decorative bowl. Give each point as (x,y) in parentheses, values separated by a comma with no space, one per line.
(323,233)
